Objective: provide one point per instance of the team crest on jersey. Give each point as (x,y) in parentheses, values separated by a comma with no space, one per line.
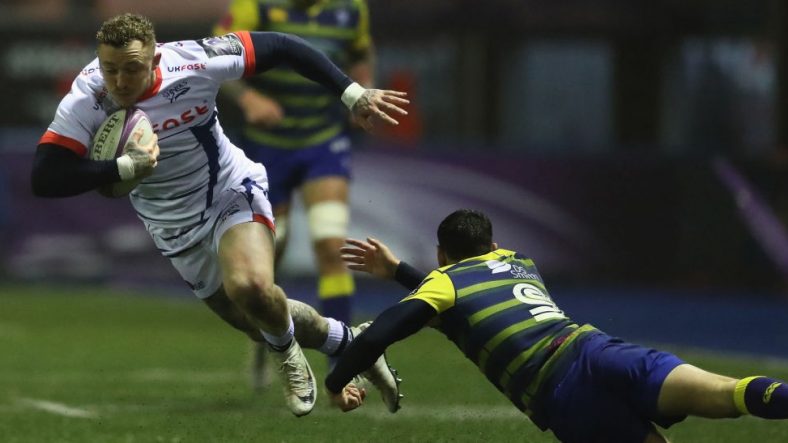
(176,91)
(228,44)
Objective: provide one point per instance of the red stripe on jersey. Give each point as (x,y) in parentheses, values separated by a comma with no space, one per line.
(154,88)
(63,141)
(249,60)
(264,220)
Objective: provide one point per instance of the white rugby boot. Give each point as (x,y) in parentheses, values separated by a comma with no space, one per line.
(380,375)
(297,377)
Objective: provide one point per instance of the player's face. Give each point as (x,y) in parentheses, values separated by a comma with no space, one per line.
(128,71)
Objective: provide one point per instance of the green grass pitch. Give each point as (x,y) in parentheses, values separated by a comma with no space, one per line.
(94,365)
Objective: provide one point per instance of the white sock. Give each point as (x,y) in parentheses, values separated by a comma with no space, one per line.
(280,342)
(339,336)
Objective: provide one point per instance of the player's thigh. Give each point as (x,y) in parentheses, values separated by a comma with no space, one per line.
(326,188)
(246,251)
(689,390)
(243,235)
(198,266)
(583,410)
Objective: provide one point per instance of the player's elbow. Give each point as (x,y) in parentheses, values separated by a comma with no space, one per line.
(38,184)
(41,182)
(40,189)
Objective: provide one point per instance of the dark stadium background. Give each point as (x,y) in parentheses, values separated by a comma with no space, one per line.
(638,150)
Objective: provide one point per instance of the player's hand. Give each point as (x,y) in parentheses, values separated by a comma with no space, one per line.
(371,256)
(350,398)
(143,157)
(260,110)
(376,106)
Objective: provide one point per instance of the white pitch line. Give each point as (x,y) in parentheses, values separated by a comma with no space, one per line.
(56,408)
(445,412)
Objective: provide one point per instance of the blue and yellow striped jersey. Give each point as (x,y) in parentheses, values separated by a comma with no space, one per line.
(338,28)
(496,309)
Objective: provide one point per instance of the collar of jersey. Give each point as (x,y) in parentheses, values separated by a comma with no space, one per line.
(154,87)
(492,255)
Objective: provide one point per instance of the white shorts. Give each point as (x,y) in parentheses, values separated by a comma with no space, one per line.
(194,250)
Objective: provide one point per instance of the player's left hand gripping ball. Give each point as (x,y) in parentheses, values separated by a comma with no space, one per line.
(126,132)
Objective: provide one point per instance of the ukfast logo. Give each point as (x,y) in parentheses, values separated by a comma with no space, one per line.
(187,116)
(189,67)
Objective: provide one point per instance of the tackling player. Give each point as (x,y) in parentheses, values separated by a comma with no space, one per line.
(580,383)
(203,202)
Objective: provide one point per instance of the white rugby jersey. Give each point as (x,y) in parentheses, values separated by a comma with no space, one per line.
(196,160)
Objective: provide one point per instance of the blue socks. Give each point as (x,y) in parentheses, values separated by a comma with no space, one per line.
(762,397)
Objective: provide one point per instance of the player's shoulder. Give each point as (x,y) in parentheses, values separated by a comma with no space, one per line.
(180,50)
(88,89)
(505,252)
(441,273)
(90,76)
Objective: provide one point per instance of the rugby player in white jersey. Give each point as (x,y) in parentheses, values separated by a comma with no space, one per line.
(203,202)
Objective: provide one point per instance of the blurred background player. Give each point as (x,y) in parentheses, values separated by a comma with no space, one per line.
(580,383)
(302,133)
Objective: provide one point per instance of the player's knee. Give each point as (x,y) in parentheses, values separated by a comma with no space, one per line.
(252,292)
(328,219)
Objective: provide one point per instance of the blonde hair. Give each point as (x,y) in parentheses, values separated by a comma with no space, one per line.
(120,30)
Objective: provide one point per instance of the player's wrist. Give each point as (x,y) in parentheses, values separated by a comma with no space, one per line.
(331,388)
(125,167)
(351,95)
(392,269)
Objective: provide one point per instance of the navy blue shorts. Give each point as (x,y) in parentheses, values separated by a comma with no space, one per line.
(609,393)
(288,169)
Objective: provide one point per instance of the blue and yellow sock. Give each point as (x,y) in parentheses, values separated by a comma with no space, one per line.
(762,397)
(335,293)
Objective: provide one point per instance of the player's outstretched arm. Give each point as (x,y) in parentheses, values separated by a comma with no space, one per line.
(394,324)
(368,106)
(374,257)
(371,256)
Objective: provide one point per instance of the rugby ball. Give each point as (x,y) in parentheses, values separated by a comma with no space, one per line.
(110,142)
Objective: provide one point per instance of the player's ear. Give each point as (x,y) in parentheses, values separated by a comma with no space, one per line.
(494,246)
(442,259)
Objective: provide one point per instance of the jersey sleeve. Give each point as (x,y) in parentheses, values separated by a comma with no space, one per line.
(230,56)
(363,39)
(77,117)
(241,15)
(437,290)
